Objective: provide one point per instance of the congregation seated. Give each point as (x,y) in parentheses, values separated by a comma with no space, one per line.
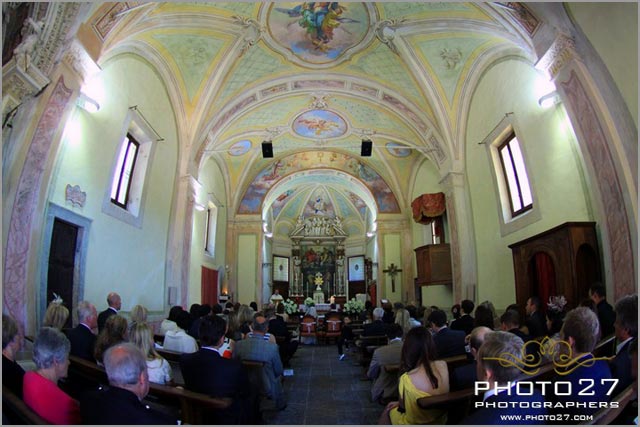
(403,319)
(158,368)
(555,316)
(207,372)
(114,332)
(465,322)
(466,375)
(626,329)
(120,402)
(385,384)
(138,314)
(510,322)
(56,315)
(169,324)
(377,327)
(278,328)
(581,330)
(178,340)
(40,387)
(422,376)
(82,337)
(484,316)
(447,341)
(256,348)
(203,310)
(280,312)
(499,399)
(12,372)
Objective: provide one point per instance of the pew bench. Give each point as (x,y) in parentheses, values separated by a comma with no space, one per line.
(17,412)
(192,406)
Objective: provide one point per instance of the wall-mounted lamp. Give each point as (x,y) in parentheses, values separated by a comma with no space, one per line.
(199,207)
(87,103)
(370,234)
(549,100)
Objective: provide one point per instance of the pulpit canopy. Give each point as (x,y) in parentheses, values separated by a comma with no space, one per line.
(427,207)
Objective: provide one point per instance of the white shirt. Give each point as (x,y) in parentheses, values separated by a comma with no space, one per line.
(159,371)
(168,325)
(179,341)
(619,346)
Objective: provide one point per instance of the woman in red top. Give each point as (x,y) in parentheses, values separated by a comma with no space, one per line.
(41,392)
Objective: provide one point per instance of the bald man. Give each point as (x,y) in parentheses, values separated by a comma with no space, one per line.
(115,303)
(465,376)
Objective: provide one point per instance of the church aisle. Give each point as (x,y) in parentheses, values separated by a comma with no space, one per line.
(325,390)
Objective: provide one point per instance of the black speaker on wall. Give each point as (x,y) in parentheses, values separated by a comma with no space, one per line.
(365,149)
(267,150)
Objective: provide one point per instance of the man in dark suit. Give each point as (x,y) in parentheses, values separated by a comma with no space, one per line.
(606,315)
(82,337)
(12,372)
(465,376)
(115,303)
(504,401)
(536,321)
(377,327)
(448,342)
(465,322)
(626,329)
(510,322)
(207,372)
(120,403)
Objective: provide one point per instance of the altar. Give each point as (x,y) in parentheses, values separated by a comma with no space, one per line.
(320,308)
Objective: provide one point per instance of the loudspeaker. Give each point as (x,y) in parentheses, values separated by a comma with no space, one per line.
(365,149)
(267,149)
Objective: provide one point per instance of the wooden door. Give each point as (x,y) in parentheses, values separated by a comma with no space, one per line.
(62,260)
(209,286)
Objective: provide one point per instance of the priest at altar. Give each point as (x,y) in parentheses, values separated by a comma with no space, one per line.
(276,298)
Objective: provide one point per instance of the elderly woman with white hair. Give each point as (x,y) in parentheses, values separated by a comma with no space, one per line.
(41,392)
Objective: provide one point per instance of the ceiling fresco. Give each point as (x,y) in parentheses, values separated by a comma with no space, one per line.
(315,79)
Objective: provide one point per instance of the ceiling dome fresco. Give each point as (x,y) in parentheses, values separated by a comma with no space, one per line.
(319,124)
(318,33)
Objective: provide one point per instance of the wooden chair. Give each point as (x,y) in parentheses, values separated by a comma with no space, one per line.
(333,328)
(308,327)
(17,412)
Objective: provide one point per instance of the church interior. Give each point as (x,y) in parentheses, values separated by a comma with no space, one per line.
(415,152)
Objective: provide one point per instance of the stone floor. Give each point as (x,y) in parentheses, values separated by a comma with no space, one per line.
(324,390)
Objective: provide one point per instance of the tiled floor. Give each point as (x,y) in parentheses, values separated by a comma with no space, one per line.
(324,390)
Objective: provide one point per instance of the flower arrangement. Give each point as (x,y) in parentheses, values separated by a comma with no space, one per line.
(290,307)
(353,306)
(557,303)
(309,302)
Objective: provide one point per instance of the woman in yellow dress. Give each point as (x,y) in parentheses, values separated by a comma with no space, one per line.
(422,376)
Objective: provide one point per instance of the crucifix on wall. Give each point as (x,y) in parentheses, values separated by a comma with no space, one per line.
(392,270)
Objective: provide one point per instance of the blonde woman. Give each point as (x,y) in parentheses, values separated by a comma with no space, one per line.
(139,314)
(56,315)
(404,320)
(158,368)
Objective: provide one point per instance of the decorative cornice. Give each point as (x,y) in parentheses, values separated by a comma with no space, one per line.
(557,56)
(385,31)
(253,32)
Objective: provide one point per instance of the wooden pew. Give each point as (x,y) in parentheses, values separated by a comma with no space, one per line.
(452,363)
(193,406)
(608,415)
(606,347)
(17,412)
(367,346)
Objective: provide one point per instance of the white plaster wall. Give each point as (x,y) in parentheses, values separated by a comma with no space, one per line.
(247,268)
(554,171)
(122,257)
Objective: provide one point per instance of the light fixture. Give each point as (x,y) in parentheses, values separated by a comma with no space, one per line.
(549,100)
(199,207)
(370,234)
(87,103)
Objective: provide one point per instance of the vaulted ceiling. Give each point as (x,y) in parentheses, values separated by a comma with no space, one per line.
(315,79)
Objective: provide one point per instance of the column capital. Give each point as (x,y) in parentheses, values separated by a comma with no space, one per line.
(559,54)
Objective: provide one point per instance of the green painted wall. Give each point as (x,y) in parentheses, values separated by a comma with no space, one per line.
(122,257)
(212,182)
(391,249)
(616,44)
(438,295)
(554,171)
(247,268)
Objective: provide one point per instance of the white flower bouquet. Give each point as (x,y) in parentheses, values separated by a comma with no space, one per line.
(290,307)
(354,307)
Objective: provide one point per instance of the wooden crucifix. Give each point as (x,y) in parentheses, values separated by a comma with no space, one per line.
(392,270)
